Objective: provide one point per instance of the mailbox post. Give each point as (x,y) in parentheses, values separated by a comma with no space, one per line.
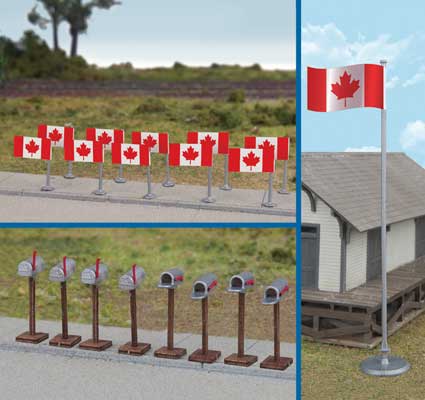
(273,294)
(200,291)
(240,284)
(94,276)
(130,281)
(30,268)
(170,280)
(61,273)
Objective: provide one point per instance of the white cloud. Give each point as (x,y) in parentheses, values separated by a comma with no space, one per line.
(364,149)
(393,82)
(418,77)
(413,136)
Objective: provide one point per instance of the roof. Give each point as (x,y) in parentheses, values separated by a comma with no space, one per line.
(349,183)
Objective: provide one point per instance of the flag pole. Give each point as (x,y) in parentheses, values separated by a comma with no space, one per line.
(384,364)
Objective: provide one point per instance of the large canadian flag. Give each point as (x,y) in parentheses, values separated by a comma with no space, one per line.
(187,154)
(32,147)
(219,140)
(130,154)
(279,144)
(56,134)
(83,151)
(156,141)
(334,89)
(251,160)
(105,136)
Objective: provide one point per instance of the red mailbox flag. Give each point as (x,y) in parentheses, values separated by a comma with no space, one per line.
(130,154)
(105,136)
(280,145)
(194,155)
(219,140)
(251,160)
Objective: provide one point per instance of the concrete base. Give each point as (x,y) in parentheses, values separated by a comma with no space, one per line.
(60,341)
(149,196)
(226,187)
(168,184)
(280,364)
(283,191)
(26,337)
(69,176)
(243,361)
(165,352)
(268,204)
(208,200)
(209,357)
(47,188)
(131,350)
(384,366)
(99,192)
(120,179)
(100,345)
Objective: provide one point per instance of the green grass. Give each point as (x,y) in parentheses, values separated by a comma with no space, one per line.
(332,372)
(176,116)
(269,253)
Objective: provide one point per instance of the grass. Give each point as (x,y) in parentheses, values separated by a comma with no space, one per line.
(176,116)
(268,253)
(333,371)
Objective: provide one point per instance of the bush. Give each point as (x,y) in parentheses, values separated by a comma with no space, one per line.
(236,96)
(152,105)
(286,114)
(263,115)
(219,116)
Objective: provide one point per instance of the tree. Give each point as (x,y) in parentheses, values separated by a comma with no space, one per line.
(77,15)
(56,11)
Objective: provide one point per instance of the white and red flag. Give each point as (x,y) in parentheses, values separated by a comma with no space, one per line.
(32,147)
(83,151)
(187,154)
(219,140)
(56,134)
(333,89)
(280,145)
(105,136)
(130,154)
(156,141)
(251,160)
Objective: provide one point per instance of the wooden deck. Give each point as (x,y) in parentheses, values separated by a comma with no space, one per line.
(353,318)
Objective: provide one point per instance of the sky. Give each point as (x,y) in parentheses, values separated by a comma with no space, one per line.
(336,34)
(158,33)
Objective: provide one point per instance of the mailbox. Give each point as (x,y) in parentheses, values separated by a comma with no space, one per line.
(273,293)
(31,266)
(241,282)
(132,279)
(95,274)
(203,285)
(61,272)
(171,279)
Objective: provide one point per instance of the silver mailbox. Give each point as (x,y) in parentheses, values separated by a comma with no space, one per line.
(241,282)
(273,293)
(89,277)
(203,285)
(25,268)
(171,279)
(132,279)
(62,271)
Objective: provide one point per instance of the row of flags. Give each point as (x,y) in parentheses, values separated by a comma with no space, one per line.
(258,155)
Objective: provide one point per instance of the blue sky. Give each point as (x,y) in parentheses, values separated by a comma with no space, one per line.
(152,33)
(337,33)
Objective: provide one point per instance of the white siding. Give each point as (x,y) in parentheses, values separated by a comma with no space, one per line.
(356,259)
(330,243)
(400,243)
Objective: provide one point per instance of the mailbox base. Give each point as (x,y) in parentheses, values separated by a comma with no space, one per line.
(26,337)
(60,341)
(242,361)
(209,357)
(100,345)
(138,350)
(165,352)
(281,363)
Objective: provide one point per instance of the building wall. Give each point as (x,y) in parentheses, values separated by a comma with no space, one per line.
(400,244)
(330,243)
(356,259)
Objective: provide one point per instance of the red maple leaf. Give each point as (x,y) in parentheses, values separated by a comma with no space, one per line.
(130,154)
(55,135)
(32,147)
(104,138)
(346,88)
(208,140)
(83,150)
(149,141)
(251,160)
(190,154)
(266,145)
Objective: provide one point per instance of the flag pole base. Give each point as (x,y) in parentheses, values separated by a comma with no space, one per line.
(384,365)
(209,357)
(26,337)
(174,353)
(268,204)
(283,191)
(168,183)
(245,360)
(279,364)
(99,345)
(138,350)
(149,196)
(69,176)
(99,192)
(60,341)
(119,179)
(47,188)
(208,199)
(226,187)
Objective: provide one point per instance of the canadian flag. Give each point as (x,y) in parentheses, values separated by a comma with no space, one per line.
(219,140)
(130,154)
(56,134)
(32,147)
(334,89)
(280,145)
(251,160)
(83,151)
(156,141)
(187,154)
(105,136)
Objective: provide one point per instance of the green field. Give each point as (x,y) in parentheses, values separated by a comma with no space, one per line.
(175,116)
(269,253)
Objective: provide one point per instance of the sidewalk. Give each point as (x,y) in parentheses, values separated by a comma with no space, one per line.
(131,192)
